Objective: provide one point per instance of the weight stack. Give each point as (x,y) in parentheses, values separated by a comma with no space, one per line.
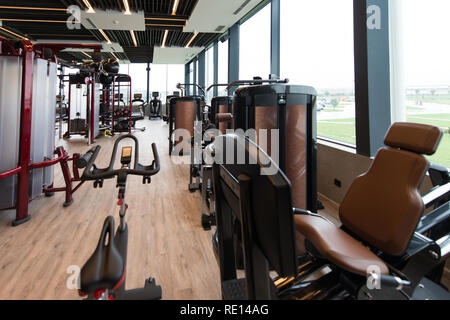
(184,111)
(292,110)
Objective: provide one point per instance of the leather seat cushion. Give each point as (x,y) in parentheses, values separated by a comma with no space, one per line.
(337,246)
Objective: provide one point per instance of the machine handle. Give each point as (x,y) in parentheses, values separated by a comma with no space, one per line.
(224,117)
(255,82)
(389,281)
(83,161)
(217,85)
(394,282)
(180,85)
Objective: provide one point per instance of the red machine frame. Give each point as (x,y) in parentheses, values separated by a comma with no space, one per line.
(115,84)
(24,167)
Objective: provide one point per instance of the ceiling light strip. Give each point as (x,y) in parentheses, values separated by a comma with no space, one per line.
(13,33)
(192,39)
(127,7)
(88,5)
(133,37)
(165,39)
(114,56)
(175,7)
(104,35)
(86,54)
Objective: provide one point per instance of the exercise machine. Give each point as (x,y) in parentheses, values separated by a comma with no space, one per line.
(123,119)
(155,106)
(138,107)
(103,276)
(28,84)
(82,110)
(184,112)
(368,258)
(273,112)
(165,110)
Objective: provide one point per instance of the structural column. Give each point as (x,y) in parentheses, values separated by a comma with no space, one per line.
(193,88)
(201,70)
(186,77)
(148,83)
(275,39)
(216,68)
(233,54)
(372,74)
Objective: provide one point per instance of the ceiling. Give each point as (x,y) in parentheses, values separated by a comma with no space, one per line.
(224,15)
(46,20)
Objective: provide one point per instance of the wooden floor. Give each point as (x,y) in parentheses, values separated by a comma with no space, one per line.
(166,239)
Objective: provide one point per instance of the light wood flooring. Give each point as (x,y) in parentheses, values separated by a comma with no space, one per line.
(166,240)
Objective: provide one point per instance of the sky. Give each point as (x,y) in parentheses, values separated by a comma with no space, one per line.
(426,29)
(254,46)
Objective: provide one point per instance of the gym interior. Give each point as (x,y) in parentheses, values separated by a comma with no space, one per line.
(235,150)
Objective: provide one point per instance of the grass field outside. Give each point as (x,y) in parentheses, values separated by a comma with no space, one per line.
(441,99)
(344,130)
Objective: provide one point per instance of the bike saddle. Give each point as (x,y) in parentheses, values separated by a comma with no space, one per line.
(105,269)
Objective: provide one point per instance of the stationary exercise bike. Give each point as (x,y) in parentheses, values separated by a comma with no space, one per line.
(103,275)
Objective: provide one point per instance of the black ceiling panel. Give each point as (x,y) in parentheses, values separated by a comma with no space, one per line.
(140,54)
(47,20)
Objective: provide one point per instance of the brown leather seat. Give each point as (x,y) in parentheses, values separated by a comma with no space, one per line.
(382,206)
(337,246)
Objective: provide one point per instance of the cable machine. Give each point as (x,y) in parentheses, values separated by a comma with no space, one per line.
(28,80)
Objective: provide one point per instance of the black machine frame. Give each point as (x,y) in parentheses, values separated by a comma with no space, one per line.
(103,275)
(415,275)
(233,185)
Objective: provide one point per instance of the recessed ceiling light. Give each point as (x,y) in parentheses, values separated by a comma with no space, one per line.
(15,34)
(165,38)
(127,7)
(133,37)
(104,35)
(175,7)
(192,39)
(87,4)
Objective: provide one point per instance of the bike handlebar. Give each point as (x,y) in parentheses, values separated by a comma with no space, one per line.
(93,173)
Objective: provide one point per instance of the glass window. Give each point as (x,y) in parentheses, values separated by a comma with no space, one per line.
(124,68)
(175,75)
(317,50)
(254,45)
(209,73)
(426,67)
(223,67)
(164,78)
(138,74)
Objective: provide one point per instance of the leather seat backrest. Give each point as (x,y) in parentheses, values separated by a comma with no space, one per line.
(383,206)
